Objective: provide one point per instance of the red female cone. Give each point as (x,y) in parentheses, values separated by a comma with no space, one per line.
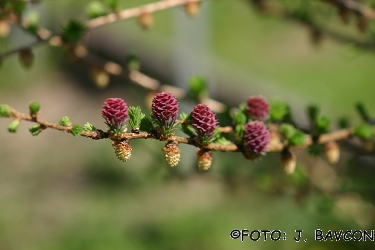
(257,108)
(204,122)
(256,139)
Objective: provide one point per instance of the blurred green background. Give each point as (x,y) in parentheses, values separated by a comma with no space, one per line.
(62,192)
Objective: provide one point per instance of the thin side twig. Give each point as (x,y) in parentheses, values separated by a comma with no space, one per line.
(135,12)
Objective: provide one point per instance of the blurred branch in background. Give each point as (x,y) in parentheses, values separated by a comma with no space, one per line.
(101,68)
(317,16)
(141,12)
(356,7)
(305,12)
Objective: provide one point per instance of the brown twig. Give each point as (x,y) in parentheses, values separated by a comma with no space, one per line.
(229,147)
(135,12)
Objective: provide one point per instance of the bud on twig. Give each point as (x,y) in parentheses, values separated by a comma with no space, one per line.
(204,157)
(5,110)
(65,121)
(99,76)
(113,4)
(35,129)
(362,23)
(172,153)
(133,63)
(198,87)
(76,130)
(13,126)
(34,108)
(278,110)
(32,22)
(95,9)
(316,35)
(88,127)
(123,150)
(332,152)
(73,30)
(136,116)
(294,136)
(192,8)
(313,112)
(288,161)
(26,58)
(345,14)
(365,132)
(146,20)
